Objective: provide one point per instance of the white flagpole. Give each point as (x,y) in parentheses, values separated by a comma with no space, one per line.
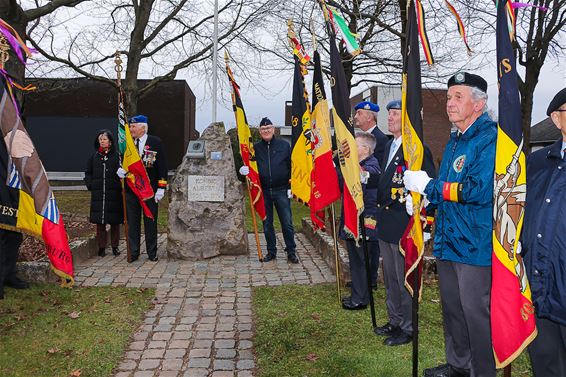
(214,64)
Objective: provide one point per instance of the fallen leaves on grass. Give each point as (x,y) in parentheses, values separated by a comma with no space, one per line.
(315,316)
(53,351)
(312,357)
(74,315)
(76,373)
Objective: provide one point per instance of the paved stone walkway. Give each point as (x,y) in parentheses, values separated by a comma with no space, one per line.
(202,321)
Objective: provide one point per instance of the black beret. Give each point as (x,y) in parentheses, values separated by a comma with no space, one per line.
(468,79)
(558,100)
(265,122)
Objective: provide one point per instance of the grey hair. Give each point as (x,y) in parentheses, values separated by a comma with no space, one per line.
(367,139)
(478,95)
(374,115)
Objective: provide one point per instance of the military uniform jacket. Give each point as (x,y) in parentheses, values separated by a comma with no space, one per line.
(381,141)
(392,218)
(155,162)
(544,232)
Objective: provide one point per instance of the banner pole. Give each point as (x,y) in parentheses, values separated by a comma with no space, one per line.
(415,315)
(336,258)
(507,371)
(118,68)
(368,272)
(252,212)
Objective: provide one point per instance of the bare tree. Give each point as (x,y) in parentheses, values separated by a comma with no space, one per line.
(158,38)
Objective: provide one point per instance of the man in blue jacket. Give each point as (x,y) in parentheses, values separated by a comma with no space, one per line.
(544,247)
(463,195)
(273,157)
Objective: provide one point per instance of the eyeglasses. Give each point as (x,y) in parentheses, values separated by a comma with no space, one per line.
(561,111)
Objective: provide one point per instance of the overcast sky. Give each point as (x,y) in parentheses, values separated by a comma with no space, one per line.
(257,105)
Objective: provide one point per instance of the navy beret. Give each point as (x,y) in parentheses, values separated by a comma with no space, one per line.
(395,104)
(558,100)
(468,79)
(138,119)
(366,105)
(265,122)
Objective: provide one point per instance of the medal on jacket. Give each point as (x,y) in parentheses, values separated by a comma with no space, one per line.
(398,189)
(149,157)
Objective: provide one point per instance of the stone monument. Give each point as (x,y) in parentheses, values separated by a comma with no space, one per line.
(206,209)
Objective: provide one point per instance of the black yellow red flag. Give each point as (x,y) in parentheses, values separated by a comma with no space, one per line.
(412,241)
(512,312)
(353,203)
(246,146)
(324,179)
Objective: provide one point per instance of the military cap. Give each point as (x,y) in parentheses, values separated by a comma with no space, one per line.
(468,79)
(366,105)
(558,100)
(138,119)
(265,122)
(395,104)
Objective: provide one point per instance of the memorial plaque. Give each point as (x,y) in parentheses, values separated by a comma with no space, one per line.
(205,188)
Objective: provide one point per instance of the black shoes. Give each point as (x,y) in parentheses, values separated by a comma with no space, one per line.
(153,259)
(268,257)
(348,305)
(115,251)
(101,252)
(16,283)
(134,258)
(387,330)
(446,370)
(293,258)
(398,339)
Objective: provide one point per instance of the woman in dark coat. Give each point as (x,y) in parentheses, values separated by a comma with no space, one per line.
(106,206)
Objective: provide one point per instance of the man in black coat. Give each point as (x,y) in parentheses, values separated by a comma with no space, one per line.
(365,119)
(273,156)
(152,155)
(391,224)
(544,247)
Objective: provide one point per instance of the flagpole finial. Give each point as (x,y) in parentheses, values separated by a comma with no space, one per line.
(4,51)
(118,67)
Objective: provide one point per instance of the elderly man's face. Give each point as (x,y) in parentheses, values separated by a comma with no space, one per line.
(363,119)
(559,119)
(460,106)
(266,132)
(394,122)
(137,130)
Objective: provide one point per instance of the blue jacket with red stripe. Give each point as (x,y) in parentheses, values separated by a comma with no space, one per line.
(463,194)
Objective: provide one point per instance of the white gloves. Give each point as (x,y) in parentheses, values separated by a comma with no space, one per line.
(289,194)
(364,176)
(409,204)
(244,170)
(121,173)
(416,180)
(426,236)
(159,194)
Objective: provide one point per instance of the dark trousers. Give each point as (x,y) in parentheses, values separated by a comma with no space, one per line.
(279,199)
(134,213)
(548,350)
(358,272)
(10,242)
(465,296)
(373,249)
(102,235)
(398,300)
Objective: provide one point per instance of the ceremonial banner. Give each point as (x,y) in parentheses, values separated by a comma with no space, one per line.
(324,179)
(246,146)
(512,311)
(353,203)
(27,202)
(412,242)
(341,28)
(137,178)
(301,146)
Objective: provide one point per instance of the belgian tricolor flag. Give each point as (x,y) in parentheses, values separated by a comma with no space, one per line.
(27,203)
(412,242)
(301,146)
(246,145)
(512,311)
(353,202)
(324,180)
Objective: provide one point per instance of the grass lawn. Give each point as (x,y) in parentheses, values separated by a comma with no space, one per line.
(302,331)
(51,331)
